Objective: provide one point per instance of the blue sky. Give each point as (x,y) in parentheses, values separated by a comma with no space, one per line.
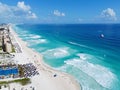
(60,11)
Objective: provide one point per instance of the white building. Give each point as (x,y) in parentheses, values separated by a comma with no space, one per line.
(8,47)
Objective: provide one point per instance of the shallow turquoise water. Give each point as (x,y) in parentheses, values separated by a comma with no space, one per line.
(88,52)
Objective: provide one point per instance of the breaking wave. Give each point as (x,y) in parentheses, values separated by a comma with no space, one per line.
(57,52)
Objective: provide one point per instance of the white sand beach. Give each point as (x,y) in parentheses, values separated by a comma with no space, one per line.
(45,80)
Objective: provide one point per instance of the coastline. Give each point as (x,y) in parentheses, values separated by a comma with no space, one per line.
(46,79)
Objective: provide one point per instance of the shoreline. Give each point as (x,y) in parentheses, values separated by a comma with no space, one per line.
(62,81)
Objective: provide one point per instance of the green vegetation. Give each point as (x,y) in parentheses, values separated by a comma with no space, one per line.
(24,81)
(21,71)
(3,82)
(0,48)
(13,49)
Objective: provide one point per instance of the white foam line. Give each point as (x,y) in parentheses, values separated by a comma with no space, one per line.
(101,74)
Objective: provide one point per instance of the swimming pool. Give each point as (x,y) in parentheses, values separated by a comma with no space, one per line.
(8,71)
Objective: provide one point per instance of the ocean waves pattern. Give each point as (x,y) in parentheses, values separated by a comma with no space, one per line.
(88,52)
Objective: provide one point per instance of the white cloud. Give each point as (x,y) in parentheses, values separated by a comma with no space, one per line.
(108,14)
(31,15)
(58,13)
(22,6)
(19,13)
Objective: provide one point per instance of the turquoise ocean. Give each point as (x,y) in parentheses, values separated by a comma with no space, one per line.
(88,52)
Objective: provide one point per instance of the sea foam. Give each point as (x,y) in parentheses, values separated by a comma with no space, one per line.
(100,73)
(37,41)
(81,45)
(34,36)
(57,52)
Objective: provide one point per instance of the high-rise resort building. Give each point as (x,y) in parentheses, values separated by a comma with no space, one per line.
(0,42)
(8,47)
(7,43)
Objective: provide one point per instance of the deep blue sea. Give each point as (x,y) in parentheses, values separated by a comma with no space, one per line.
(89,52)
